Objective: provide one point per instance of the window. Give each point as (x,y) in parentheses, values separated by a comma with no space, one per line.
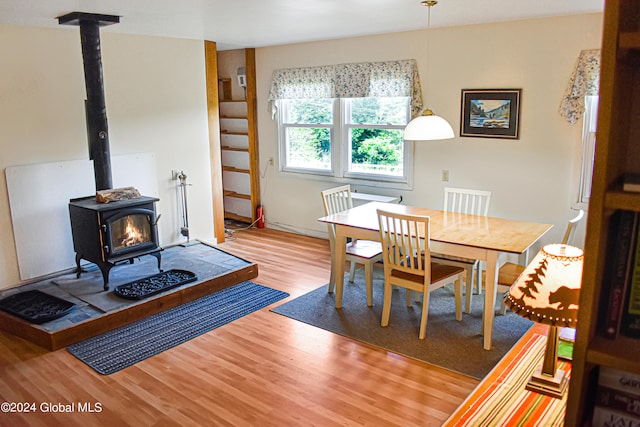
(373,147)
(306,129)
(359,138)
(347,120)
(588,150)
(581,100)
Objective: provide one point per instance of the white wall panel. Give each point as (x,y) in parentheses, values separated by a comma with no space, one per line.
(39,197)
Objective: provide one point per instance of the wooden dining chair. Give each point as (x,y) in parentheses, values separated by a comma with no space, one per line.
(407,264)
(466,201)
(509,272)
(364,252)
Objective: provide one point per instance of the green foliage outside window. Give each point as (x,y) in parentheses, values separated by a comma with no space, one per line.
(309,111)
(309,148)
(378,150)
(379,111)
(376,146)
(373,150)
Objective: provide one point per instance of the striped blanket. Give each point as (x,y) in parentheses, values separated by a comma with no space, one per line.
(506,402)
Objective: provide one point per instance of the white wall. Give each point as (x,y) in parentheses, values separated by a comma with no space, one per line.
(531,178)
(155,93)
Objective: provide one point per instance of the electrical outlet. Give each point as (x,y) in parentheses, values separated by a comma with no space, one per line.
(174,175)
(445,175)
(270,161)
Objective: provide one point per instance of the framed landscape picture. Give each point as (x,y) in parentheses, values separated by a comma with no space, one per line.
(490,113)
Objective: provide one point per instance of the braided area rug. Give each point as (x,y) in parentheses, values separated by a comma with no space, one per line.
(117,349)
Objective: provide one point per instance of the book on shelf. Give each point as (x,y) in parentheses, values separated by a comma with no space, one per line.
(617,399)
(607,417)
(631,182)
(630,325)
(617,379)
(622,248)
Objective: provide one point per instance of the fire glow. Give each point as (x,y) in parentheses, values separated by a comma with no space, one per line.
(132,235)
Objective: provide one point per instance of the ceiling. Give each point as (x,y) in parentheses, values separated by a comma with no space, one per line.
(253,23)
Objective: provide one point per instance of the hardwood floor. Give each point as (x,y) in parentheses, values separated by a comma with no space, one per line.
(263,369)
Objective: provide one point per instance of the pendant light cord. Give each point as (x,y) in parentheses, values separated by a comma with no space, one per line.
(428,4)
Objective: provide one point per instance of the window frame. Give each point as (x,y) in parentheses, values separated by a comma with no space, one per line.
(282,141)
(345,128)
(587,152)
(341,146)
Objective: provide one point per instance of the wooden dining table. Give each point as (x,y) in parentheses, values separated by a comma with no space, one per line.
(477,237)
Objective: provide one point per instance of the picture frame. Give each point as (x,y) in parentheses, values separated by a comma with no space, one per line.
(490,113)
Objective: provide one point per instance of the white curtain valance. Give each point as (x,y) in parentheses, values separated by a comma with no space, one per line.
(584,81)
(357,80)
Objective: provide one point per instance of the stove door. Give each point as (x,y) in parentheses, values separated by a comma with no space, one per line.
(130,230)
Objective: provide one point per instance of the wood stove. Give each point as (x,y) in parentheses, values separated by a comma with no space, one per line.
(120,230)
(110,233)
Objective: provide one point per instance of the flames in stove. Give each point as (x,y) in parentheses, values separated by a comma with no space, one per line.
(131,230)
(132,237)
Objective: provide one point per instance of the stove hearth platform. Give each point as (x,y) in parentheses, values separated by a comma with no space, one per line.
(97,311)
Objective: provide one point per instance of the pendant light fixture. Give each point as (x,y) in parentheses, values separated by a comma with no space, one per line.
(428,126)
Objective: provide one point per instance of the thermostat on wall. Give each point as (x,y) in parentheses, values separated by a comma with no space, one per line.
(242,77)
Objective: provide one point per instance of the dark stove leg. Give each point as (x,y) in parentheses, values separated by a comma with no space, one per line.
(158,256)
(78,269)
(105,269)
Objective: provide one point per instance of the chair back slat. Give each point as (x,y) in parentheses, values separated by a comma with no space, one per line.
(405,242)
(336,200)
(467,201)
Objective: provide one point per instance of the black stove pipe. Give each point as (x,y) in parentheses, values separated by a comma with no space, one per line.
(95,107)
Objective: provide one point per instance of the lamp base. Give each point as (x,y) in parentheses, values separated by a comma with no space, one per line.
(554,386)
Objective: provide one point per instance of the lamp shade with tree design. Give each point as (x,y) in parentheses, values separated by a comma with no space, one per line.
(548,292)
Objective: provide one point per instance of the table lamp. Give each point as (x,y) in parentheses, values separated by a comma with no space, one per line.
(547,292)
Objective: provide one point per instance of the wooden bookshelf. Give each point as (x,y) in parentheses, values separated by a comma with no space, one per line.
(239,143)
(617,152)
